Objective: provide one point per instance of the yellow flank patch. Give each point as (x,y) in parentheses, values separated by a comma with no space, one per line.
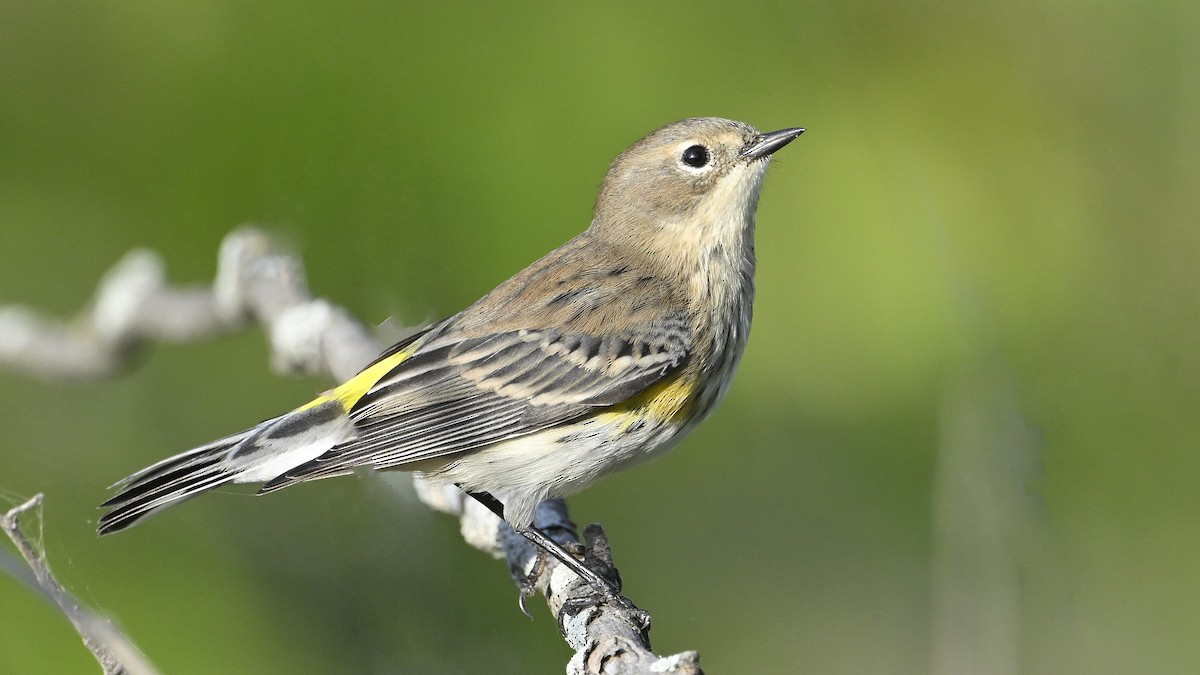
(353,389)
(671,400)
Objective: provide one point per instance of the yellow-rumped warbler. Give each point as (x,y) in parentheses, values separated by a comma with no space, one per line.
(598,356)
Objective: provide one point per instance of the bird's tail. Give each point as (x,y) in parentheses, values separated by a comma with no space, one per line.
(252,456)
(167,483)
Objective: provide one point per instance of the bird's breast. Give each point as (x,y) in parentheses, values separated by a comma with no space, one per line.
(724,285)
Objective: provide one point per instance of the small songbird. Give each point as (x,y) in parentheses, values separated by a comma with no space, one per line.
(601,355)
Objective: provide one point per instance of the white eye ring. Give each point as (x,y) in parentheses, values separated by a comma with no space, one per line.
(695,158)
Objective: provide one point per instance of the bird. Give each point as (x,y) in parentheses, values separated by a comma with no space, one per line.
(602,354)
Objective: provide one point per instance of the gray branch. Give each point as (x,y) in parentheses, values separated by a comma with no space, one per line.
(114,651)
(257,282)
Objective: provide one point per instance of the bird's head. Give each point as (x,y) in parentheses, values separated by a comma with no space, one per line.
(687,185)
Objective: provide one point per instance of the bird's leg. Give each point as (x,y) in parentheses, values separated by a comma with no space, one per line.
(609,589)
(527,582)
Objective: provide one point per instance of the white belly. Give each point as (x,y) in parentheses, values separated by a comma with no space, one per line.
(559,461)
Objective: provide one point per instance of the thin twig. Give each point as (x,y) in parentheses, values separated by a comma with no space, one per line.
(111,648)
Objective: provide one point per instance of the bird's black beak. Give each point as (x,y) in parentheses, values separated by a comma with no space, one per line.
(765,144)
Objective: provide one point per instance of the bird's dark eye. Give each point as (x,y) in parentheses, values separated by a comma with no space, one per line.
(695,156)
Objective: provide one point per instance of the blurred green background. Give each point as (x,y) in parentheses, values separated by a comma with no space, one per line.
(964,435)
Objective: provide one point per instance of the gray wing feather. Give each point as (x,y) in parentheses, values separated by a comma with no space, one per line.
(462,393)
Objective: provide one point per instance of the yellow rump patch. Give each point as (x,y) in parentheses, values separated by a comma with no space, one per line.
(353,389)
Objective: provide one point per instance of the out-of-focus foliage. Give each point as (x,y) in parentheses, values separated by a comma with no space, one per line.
(966,429)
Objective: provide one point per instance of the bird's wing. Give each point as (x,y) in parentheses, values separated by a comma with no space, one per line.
(457,393)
